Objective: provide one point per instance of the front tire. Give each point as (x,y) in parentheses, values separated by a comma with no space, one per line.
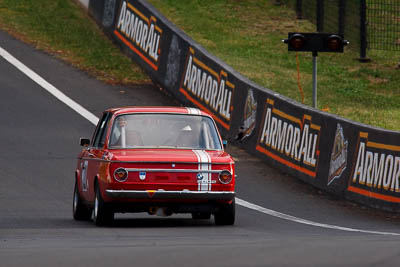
(102,214)
(80,212)
(226,214)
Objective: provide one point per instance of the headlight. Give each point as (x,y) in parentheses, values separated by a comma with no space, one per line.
(120,175)
(225,177)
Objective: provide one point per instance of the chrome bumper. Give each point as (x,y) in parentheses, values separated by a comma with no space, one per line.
(162,194)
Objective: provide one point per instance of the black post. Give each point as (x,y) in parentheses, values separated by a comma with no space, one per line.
(342,16)
(363,32)
(299,9)
(320,15)
(314,79)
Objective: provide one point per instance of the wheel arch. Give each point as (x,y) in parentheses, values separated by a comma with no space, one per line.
(77,175)
(95,182)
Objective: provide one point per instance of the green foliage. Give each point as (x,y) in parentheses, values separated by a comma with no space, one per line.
(247,35)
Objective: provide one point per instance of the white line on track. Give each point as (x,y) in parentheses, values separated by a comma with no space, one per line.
(93,119)
(303,221)
(48,87)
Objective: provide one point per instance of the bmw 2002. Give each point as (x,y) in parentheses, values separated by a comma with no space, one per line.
(160,160)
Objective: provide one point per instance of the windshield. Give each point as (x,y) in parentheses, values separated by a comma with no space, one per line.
(164,131)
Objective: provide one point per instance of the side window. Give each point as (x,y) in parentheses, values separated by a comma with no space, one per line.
(101,130)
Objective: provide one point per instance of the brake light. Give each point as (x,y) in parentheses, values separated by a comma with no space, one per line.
(121,175)
(225,177)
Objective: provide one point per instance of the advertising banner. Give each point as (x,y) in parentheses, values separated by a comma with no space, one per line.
(289,138)
(208,87)
(375,168)
(139,31)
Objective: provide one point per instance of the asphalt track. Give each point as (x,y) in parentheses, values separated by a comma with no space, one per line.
(39,143)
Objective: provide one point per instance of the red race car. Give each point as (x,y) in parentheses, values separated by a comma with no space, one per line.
(160,160)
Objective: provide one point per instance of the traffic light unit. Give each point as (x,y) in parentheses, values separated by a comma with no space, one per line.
(315,42)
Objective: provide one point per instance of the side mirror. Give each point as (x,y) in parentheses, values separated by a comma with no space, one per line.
(224,143)
(84,141)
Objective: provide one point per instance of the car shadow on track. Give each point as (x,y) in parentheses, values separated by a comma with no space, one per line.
(159,223)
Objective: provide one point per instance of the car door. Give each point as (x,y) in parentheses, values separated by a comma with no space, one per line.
(94,156)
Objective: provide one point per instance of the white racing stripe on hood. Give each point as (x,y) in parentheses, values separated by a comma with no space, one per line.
(193,111)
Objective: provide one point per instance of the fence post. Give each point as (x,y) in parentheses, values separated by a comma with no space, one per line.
(342,16)
(299,9)
(320,15)
(363,32)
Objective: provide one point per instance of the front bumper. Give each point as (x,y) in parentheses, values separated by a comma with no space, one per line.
(162,194)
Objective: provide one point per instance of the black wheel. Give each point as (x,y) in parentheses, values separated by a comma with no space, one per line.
(201,215)
(225,214)
(80,212)
(102,214)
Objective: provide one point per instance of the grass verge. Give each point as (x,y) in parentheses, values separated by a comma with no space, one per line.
(63,29)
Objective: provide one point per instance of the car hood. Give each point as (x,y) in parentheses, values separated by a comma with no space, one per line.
(171,155)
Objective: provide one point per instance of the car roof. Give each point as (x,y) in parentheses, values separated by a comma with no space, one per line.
(155,109)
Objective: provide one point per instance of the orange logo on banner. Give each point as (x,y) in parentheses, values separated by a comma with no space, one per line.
(376,173)
(290,140)
(209,89)
(140,33)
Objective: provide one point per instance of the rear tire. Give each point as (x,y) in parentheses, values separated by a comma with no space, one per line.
(80,211)
(226,214)
(102,213)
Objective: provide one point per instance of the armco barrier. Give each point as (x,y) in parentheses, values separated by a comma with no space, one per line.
(346,158)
